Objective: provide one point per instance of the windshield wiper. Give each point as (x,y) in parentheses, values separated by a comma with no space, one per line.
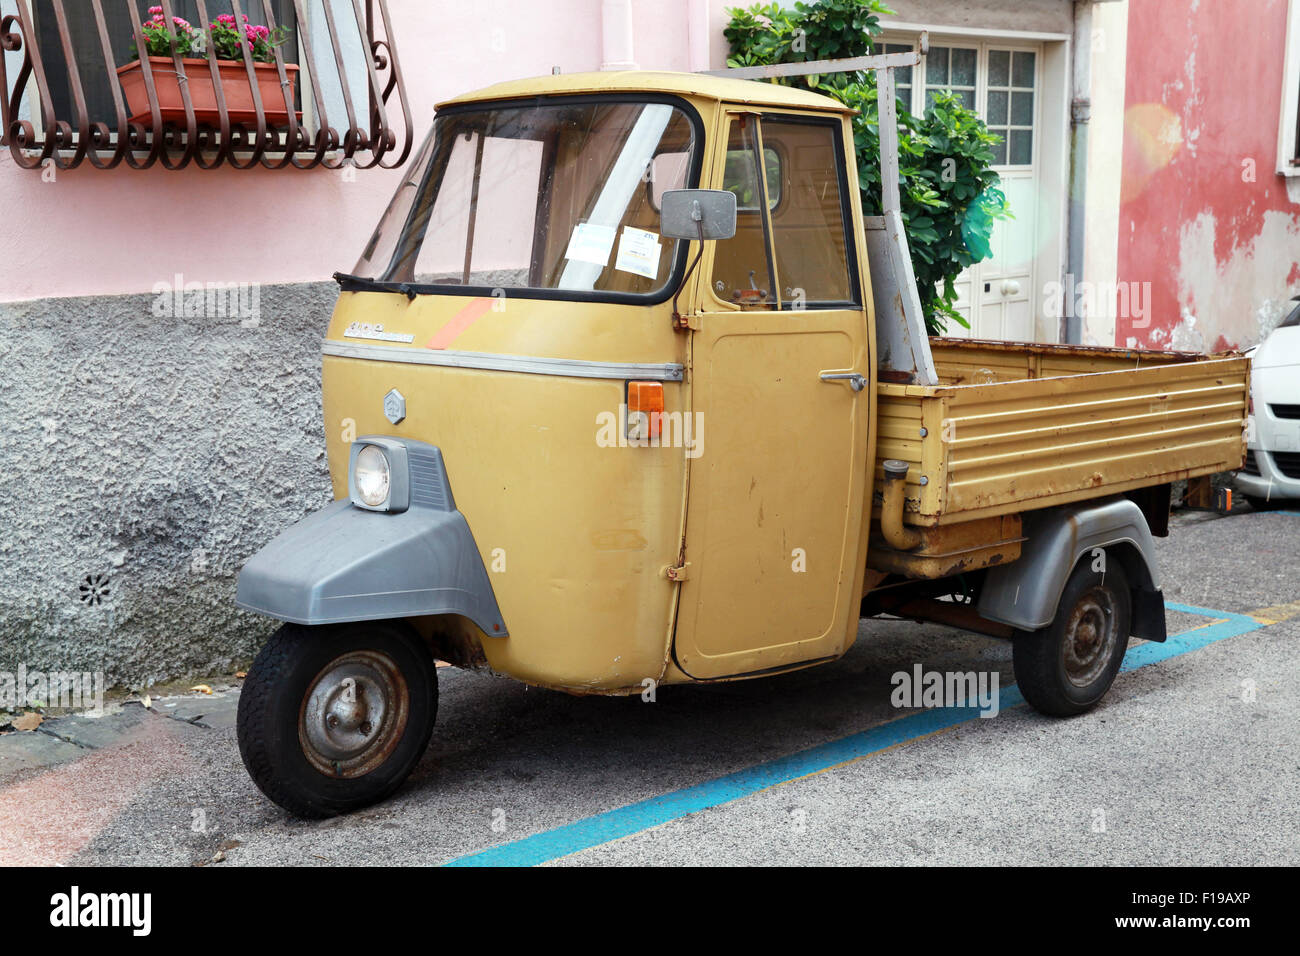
(351,283)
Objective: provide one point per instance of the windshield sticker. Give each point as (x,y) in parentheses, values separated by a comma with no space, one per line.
(373,330)
(590,243)
(638,252)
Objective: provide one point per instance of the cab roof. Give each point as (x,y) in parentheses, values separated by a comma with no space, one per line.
(647,81)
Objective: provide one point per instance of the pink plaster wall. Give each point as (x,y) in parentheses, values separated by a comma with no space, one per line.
(97,232)
(1204,217)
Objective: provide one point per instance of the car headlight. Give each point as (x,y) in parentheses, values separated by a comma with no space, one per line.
(372,476)
(379,474)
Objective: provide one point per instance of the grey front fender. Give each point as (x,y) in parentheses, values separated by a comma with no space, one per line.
(344,563)
(1025,593)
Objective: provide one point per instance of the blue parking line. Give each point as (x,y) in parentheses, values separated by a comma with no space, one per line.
(655,811)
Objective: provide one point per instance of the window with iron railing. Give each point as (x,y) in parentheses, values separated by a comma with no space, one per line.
(252,83)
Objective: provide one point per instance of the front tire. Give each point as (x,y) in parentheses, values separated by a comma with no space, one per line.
(1067,667)
(332,719)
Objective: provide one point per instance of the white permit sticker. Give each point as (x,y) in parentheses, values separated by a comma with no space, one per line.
(590,243)
(638,252)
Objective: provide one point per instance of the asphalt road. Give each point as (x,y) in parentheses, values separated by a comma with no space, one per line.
(1193,758)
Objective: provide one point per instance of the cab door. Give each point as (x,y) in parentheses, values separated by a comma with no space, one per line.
(774,529)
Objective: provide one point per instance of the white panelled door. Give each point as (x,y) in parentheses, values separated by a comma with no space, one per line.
(1002,83)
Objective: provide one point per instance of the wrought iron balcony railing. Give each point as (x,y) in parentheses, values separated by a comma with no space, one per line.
(80,93)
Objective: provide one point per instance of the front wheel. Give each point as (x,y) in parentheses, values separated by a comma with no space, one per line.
(332,719)
(1067,667)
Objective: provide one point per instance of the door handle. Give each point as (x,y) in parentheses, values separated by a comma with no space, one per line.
(856,382)
(1010,287)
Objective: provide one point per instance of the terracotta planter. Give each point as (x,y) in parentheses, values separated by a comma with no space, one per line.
(234,85)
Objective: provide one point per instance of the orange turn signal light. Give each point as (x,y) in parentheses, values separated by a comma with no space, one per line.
(645,409)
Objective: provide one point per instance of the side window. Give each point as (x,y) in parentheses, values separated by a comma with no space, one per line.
(742,265)
(739,176)
(809,230)
(797,256)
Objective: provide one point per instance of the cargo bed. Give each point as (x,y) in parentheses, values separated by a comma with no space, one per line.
(1012,427)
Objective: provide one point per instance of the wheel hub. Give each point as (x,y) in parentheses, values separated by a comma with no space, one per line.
(1090,637)
(353,714)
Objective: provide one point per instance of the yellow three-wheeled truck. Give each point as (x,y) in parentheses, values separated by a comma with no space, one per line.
(624,389)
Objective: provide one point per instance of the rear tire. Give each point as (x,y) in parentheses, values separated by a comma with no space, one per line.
(1067,667)
(332,719)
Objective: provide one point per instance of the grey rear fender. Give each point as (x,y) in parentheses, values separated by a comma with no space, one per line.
(1025,593)
(346,563)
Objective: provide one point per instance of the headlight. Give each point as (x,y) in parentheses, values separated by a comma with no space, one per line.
(372,476)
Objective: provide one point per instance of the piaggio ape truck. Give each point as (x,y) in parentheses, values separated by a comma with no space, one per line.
(625,389)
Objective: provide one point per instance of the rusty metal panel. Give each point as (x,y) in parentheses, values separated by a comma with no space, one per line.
(900,434)
(952,549)
(271,134)
(1005,445)
(1039,442)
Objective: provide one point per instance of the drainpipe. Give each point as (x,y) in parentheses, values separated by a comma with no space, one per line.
(898,535)
(697,35)
(1080,113)
(616,35)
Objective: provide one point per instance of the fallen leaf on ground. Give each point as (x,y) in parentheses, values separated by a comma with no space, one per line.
(202,688)
(28,721)
(241,674)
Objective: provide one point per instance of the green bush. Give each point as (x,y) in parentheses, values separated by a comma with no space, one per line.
(949,193)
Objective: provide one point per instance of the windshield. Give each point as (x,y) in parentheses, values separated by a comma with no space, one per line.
(558,196)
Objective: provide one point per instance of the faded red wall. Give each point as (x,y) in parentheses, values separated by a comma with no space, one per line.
(1204,92)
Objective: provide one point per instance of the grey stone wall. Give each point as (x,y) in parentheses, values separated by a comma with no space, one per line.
(1042,16)
(149,455)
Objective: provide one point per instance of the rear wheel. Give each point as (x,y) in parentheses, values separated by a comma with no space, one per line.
(1068,666)
(332,719)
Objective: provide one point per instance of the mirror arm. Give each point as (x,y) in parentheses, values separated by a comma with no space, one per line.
(680,324)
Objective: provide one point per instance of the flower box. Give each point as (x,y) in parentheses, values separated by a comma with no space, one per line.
(234,86)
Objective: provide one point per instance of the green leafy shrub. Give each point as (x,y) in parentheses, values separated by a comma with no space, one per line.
(949,192)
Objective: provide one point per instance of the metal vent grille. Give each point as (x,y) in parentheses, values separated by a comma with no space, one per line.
(428,483)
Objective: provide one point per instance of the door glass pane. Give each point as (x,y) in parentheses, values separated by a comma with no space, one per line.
(809,231)
(963,68)
(997,112)
(1022,109)
(951,68)
(999,68)
(1022,147)
(1009,107)
(1022,70)
(936,66)
(741,266)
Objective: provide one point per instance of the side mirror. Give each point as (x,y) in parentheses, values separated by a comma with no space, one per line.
(698,214)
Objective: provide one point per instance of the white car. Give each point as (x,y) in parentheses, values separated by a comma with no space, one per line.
(1271,475)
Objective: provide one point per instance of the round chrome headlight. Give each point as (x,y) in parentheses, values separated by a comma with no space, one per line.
(372,475)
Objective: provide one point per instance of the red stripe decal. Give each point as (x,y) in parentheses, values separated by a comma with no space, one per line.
(461,321)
